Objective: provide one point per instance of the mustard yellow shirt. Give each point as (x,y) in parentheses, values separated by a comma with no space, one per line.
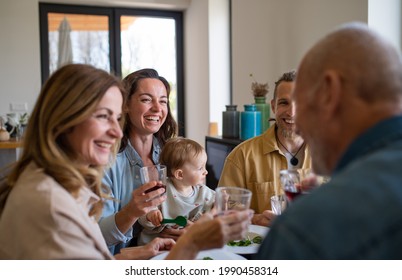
(255,165)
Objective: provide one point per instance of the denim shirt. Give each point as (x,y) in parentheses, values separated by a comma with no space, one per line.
(356,215)
(122,178)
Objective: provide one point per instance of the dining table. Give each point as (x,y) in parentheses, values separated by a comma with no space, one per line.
(244,249)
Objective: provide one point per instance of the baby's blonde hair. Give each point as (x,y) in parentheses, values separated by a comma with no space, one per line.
(177,151)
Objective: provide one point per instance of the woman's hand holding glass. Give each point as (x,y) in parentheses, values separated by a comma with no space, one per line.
(150,194)
(154,173)
(142,201)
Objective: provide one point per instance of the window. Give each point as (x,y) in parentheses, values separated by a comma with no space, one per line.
(117,40)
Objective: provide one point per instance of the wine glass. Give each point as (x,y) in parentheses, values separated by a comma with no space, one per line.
(154,173)
(291,182)
(232,198)
(278,204)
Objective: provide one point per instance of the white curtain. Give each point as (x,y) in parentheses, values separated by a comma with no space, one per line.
(65,47)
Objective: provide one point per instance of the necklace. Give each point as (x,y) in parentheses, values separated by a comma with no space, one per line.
(293,161)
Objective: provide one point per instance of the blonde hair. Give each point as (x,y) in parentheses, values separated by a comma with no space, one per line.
(68,98)
(177,151)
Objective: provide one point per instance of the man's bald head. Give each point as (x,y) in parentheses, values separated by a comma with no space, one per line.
(348,82)
(365,60)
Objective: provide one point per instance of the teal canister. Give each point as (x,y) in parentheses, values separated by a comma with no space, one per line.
(250,122)
(263,107)
(230,122)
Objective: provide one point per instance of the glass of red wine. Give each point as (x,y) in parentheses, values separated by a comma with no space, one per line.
(291,182)
(154,173)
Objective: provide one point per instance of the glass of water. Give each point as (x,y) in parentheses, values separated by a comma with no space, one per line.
(278,204)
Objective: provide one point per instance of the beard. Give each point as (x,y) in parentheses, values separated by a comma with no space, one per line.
(287,133)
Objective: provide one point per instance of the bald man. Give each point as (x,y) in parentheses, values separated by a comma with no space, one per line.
(348,97)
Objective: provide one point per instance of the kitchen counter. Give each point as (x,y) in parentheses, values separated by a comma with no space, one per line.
(10,144)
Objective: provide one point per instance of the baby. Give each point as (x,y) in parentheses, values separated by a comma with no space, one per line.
(186,193)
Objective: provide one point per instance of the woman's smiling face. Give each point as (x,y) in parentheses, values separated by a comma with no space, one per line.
(93,139)
(148,106)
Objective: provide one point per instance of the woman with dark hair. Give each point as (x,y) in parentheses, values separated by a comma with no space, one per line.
(168,129)
(148,125)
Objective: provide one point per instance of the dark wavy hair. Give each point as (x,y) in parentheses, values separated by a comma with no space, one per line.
(169,128)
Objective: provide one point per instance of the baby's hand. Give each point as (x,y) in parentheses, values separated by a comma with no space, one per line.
(189,223)
(155,217)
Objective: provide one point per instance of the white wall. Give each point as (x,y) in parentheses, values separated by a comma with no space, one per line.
(20,78)
(390,28)
(219,56)
(268,38)
(196,71)
(278,35)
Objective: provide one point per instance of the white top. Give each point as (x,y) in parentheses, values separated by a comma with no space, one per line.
(192,207)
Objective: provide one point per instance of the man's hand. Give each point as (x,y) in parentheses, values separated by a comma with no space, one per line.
(264,219)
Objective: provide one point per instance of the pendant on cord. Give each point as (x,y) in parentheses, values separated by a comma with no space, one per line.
(294,161)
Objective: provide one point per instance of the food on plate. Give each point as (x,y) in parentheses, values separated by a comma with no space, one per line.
(257,239)
(252,238)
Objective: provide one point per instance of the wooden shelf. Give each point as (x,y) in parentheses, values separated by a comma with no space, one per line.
(10,144)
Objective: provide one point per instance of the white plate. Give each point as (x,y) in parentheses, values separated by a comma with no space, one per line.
(215,254)
(253,230)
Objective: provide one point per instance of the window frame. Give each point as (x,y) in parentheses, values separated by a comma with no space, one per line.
(114,14)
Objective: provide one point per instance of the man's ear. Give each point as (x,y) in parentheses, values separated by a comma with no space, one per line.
(178,174)
(331,93)
(273,108)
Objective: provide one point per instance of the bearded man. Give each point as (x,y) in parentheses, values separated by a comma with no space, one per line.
(255,164)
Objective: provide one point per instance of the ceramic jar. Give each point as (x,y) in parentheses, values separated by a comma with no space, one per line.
(250,122)
(264,108)
(230,122)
